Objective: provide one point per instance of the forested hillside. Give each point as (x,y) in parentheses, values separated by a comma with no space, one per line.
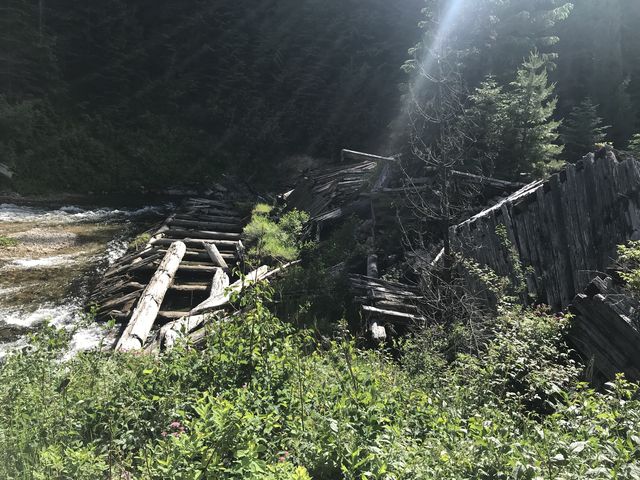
(116,95)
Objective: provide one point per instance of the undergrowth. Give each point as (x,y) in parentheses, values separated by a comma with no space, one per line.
(264,400)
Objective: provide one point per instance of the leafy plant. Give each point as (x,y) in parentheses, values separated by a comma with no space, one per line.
(263,400)
(634,145)
(140,240)
(274,238)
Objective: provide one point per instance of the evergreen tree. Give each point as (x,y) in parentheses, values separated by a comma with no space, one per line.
(487,117)
(519,27)
(514,127)
(599,58)
(582,130)
(531,134)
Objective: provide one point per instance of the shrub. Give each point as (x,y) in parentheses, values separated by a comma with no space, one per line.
(140,240)
(263,401)
(274,239)
(629,263)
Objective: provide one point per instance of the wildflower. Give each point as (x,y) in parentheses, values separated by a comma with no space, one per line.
(283,458)
(164,434)
(175,425)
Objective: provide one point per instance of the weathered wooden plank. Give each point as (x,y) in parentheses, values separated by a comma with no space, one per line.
(200,234)
(151,299)
(207,226)
(214,254)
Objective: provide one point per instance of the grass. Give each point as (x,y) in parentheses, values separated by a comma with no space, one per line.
(141,240)
(6,242)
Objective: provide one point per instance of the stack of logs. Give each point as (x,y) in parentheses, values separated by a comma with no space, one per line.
(333,193)
(606,329)
(386,304)
(182,276)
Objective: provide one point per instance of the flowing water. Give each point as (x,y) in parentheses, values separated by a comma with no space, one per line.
(53,257)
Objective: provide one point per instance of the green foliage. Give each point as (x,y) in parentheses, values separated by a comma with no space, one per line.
(276,240)
(140,240)
(515,125)
(316,293)
(582,130)
(634,145)
(262,401)
(7,242)
(629,263)
(249,88)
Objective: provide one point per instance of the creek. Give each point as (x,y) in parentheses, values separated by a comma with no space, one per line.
(50,257)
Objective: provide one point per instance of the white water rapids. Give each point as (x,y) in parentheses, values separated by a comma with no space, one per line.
(54,255)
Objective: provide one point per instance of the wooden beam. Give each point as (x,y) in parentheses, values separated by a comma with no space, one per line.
(213,303)
(144,315)
(360,156)
(214,254)
(407,317)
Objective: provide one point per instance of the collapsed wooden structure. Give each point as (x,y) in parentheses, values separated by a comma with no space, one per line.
(565,230)
(385,304)
(177,278)
(558,235)
(606,329)
(372,189)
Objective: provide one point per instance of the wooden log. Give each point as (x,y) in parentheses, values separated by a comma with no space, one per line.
(378,332)
(197,242)
(372,265)
(397,316)
(211,218)
(118,301)
(202,225)
(171,332)
(214,253)
(219,283)
(194,254)
(203,234)
(190,287)
(149,304)
(360,156)
(172,314)
(187,268)
(218,301)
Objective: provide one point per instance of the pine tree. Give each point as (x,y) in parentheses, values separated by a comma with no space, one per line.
(514,127)
(486,117)
(522,26)
(582,130)
(531,134)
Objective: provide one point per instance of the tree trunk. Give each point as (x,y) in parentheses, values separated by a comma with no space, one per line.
(148,307)
(215,302)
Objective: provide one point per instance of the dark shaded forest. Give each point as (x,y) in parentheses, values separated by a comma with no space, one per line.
(130,96)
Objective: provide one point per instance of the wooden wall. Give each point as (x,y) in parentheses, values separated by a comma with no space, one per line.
(565,229)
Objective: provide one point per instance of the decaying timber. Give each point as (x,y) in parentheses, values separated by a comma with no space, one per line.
(564,230)
(606,329)
(207,233)
(146,312)
(386,304)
